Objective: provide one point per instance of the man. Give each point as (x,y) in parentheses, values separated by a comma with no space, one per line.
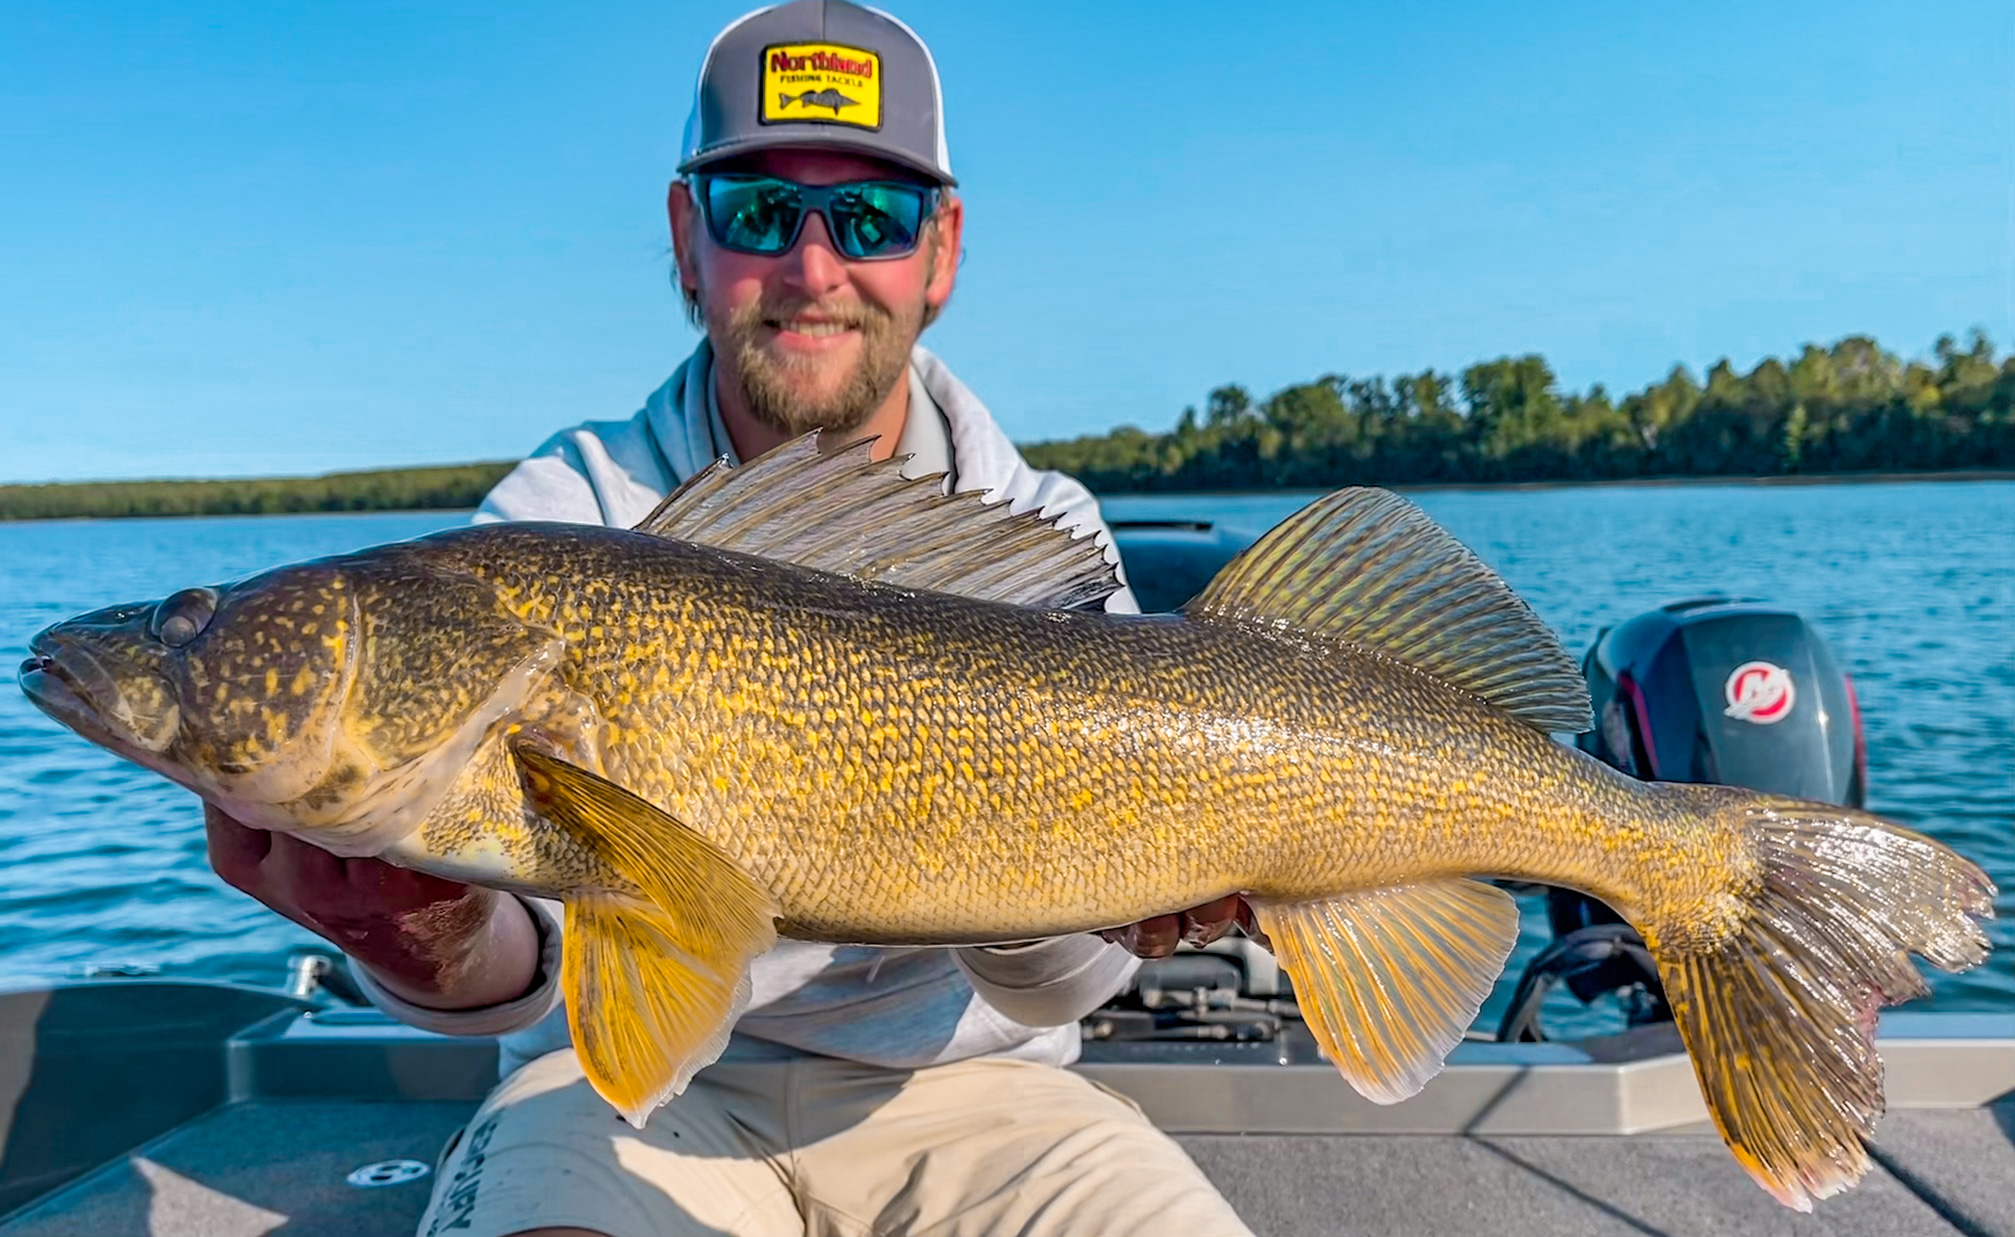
(865,1090)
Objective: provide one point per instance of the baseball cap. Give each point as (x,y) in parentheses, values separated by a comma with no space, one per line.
(819,73)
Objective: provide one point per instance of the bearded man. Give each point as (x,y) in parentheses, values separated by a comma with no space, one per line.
(865,1090)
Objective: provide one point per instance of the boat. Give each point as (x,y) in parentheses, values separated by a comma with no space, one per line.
(134,1103)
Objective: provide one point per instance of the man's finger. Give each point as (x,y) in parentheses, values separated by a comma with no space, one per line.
(305,869)
(1203,924)
(1154,938)
(236,850)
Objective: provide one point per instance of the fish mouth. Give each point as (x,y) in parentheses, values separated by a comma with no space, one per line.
(68,683)
(55,691)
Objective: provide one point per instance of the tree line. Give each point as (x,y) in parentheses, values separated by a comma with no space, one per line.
(1849,408)
(399,489)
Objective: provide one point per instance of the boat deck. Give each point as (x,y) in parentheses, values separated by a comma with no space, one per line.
(204,1110)
(278,1166)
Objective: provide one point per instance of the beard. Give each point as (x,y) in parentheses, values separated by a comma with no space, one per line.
(790,394)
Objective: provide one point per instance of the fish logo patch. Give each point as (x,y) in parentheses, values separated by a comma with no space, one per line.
(1760,692)
(821,82)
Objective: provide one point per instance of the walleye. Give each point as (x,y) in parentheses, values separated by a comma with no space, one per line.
(808,697)
(816,98)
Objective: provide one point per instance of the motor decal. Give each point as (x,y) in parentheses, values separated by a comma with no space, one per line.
(1760,692)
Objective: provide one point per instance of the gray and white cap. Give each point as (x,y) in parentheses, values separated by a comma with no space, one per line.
(819,73)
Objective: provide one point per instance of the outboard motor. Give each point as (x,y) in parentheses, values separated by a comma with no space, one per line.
(1736,692)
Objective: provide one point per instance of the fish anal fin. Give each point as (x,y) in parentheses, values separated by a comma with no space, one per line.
(1369,567)
(653,976)
(1389,979)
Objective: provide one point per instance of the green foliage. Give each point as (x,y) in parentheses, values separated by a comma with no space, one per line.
(1848,408)
(457,485)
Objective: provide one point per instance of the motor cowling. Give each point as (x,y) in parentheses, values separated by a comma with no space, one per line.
(1734,692)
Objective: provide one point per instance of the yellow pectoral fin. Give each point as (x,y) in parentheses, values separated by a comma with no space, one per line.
(1389,979)
(653,983)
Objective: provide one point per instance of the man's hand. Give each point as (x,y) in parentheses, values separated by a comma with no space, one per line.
(430,941)
(1199,925)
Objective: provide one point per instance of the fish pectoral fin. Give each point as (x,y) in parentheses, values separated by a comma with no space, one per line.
(645,1012)
(1389,979)
(653,982)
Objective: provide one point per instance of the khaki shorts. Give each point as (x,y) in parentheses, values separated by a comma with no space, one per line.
(815,1147)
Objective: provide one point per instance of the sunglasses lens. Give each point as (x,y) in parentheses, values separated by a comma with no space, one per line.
(877,220)
(756,215)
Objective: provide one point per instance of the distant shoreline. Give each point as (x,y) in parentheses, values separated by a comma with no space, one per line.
(1825,478)
(456,488)
(1605,483)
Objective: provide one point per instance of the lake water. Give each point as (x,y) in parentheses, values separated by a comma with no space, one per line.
(1912,585)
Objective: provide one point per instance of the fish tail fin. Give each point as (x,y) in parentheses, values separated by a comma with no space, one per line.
(784,98)
(1778,1011)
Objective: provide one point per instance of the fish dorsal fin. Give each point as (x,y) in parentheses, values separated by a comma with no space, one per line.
(1371,568)
(845,512)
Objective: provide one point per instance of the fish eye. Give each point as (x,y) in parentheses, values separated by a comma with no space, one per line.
(183,616)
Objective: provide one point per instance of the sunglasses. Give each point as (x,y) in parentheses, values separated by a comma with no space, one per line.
(867,219)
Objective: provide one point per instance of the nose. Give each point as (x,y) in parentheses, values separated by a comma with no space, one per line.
(813,267)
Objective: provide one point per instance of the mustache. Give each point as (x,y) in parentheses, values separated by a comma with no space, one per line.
(844,313)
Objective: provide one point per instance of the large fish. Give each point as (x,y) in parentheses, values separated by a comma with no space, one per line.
(809,697)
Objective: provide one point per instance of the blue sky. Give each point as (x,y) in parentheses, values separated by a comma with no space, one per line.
(248,238)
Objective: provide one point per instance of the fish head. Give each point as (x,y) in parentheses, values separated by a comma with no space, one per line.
(230,690)
(335,700)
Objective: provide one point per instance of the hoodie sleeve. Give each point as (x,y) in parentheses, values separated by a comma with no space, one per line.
(1047,983)
(604,472)
(549,484)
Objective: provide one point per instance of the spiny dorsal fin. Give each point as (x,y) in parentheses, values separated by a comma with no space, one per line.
(1370,567)
(844,512)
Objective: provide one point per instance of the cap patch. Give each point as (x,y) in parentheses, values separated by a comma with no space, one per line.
(821,82)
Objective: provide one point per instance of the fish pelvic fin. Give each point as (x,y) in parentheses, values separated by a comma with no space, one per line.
(1369,567)
(655,976)
(1779,1014)
(1389,979)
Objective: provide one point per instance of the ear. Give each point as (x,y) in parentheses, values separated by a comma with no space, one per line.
(684,215)
(951,220)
